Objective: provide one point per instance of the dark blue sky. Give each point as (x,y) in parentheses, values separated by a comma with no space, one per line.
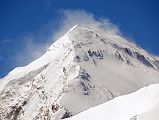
(137,19)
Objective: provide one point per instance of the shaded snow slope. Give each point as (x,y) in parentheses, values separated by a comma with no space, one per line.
(84,68)
(126,107)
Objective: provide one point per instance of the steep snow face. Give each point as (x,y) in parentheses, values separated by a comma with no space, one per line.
(126,107)
(110,67)
(30,92)
(84,68)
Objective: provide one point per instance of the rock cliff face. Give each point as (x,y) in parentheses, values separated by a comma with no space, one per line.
(84,68)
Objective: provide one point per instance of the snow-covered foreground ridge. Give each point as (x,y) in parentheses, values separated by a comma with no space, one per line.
(84,68)
(127,107)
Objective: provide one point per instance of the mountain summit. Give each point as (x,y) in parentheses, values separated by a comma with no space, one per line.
(84,68)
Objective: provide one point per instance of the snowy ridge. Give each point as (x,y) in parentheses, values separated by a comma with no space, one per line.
(127,107)
(84,68)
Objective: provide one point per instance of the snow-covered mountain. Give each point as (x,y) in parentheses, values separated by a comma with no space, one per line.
(84,68)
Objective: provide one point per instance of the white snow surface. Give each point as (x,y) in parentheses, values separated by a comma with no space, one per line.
(151,114)
(84,68)
(126,107)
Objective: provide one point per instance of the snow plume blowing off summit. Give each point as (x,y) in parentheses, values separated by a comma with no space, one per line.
(70,18)
(65,21)
(89,65)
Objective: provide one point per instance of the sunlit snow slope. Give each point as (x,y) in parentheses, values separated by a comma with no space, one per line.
(134,106)
(84,68)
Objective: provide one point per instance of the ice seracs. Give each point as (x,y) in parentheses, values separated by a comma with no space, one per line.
(84,68)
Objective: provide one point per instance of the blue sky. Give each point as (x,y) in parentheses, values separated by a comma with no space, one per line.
(26,25)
